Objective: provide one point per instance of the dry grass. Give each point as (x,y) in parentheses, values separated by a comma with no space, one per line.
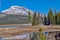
(17,31)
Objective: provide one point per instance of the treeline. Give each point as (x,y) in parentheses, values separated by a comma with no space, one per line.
(35,19)
(53,18)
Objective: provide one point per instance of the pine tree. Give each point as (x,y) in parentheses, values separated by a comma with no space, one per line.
(58,18)
(45,20)
(50,16)
(38,18)
(29,16)
(41,34)
(34,22)
(55,19)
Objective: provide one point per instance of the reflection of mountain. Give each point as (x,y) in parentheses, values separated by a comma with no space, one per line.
(17,10)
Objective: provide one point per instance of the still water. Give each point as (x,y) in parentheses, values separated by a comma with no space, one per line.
(25,35)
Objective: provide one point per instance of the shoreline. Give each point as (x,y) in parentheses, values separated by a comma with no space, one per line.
(13,24)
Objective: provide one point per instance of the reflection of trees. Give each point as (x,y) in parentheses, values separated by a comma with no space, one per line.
(57,36)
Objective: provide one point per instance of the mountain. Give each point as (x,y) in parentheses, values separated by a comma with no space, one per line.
(15,15)
(17,10)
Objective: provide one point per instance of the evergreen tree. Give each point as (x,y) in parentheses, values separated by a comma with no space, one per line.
(55,19)
(29,16)
(45,20)
(34,22)
(50,16)
(58,18)
(41,34)
(38,18)
(41,19)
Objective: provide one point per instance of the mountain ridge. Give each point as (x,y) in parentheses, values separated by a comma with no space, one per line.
(18,10)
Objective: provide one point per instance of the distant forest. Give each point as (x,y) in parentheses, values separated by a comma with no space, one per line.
(52,18)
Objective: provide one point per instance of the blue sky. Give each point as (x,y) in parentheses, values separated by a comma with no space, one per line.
(42,6)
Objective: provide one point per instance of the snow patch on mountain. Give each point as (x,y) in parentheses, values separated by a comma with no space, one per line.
(17,10)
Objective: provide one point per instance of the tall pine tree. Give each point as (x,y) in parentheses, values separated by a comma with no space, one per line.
(45,20)
(58,18)
(55,19)
(38,18)
(50,16)
(29,16)
(34,22)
